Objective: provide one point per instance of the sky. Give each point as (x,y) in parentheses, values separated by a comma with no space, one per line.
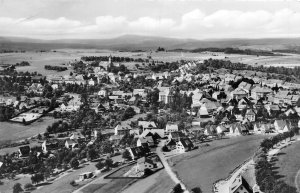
(197,19)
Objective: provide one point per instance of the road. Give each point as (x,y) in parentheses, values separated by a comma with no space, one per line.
(168,168)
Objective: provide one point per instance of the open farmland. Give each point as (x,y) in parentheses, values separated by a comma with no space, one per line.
(38,60)
(288,164)
(204,166)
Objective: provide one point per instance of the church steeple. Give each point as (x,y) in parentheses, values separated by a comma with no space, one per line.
(109,60)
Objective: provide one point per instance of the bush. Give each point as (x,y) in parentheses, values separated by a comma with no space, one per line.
(17,188)
(72,183)
(100,165)
(148,172)
(28,186)
(177,188)
(126,155)
(74,163)
(164,148)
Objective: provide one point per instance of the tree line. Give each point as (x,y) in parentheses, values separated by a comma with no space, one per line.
(57,68)
(266,178)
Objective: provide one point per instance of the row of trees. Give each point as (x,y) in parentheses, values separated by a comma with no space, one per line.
(266,178)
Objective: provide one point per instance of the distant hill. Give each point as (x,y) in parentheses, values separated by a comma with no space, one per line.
(136,42)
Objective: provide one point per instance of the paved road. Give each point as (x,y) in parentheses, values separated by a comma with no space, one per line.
(168,168)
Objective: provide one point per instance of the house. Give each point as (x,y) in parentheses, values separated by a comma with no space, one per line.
(71,144)
(137,152)
(220,129)
(145,141)
(261,128)
(280,126)
(171,144)
(49,145)
(116,138)
(166,96)
(141,92)
(171,128)
(176,135)
(237,129)
(240,185)
(77,137)
(244,103)
(184,145)
(120,130)
(260,92)
(210,130)
(159,133)
(144,163)
(250,115)
(24,151)
(147,124)
(239,93)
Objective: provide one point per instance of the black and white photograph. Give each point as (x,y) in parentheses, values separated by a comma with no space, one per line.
(149,96)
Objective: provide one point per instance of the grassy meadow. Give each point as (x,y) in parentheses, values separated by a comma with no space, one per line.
(202,167)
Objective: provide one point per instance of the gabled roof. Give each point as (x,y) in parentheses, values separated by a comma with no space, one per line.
(280,123)
(177,135)
(24,150)
(147,124)
(250,112)
(186,142)
(171,127)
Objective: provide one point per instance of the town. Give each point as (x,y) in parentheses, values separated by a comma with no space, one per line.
(119,120)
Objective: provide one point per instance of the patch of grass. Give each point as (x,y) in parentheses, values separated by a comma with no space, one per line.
(114,186)
(92,188)
(288,164)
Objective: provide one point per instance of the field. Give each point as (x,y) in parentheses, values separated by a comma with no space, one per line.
(204,166)
(16,131)
(38,60)
(288,164)
(64,56)
(158,182)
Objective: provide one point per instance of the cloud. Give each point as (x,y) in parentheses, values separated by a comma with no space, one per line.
(193,24)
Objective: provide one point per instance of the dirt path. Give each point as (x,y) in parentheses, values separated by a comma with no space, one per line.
(168,168)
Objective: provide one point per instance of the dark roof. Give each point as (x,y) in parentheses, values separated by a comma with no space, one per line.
(24,150)
(186,142)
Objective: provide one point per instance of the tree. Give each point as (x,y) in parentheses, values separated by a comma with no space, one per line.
(164,148)
(99,165)
(109,162)
(91,154)
(126,155)
(17,188)
(36,178)
(74,163)
(177,188)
